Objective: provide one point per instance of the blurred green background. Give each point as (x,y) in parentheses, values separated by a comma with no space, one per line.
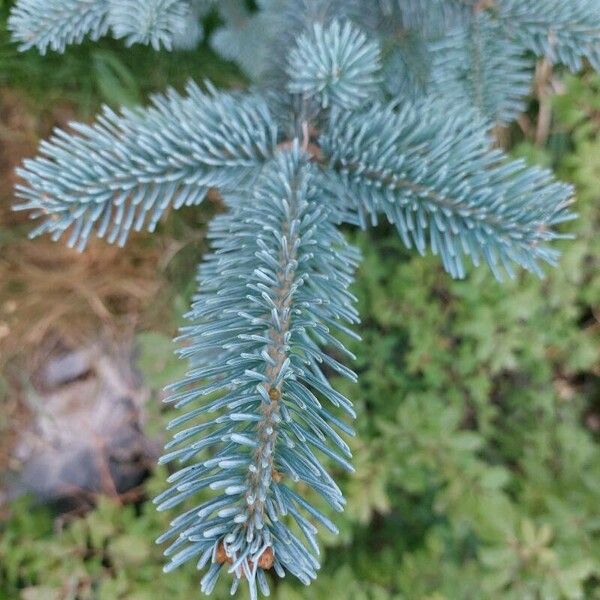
(478,471)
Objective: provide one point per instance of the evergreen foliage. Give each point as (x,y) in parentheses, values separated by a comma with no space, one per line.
(337,64)
(470,66)
(270,297)
(155,22)
(326,137)
(433,175)
(124,171)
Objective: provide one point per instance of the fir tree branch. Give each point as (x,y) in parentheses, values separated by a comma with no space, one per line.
(336,64)
(429,169)
(477,65)
(274,293)
(155,22)
(259,414)
(124,171)
(55,24)
(564,32)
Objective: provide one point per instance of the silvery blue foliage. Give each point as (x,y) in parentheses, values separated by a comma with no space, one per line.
(273,296)
(55,24)
(242,37)
(154,22)
(336,64)
(192,32)
(431,18)
(361,110)
(565,32)
(407,69)
(430,170)
(476,65)
(125,170)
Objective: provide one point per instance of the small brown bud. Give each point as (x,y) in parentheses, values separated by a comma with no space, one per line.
(276,476)
(274,394)
(221,556)
(266,559)
(313,150)
(483,5)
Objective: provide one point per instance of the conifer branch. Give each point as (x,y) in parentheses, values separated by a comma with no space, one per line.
(273,295)
(125,170)
(337,64)
(259,414)
(476,65)
(55,24)
(152,22)
(429,169)
(563,32)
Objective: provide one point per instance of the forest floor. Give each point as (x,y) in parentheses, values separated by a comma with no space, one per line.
(51,296)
